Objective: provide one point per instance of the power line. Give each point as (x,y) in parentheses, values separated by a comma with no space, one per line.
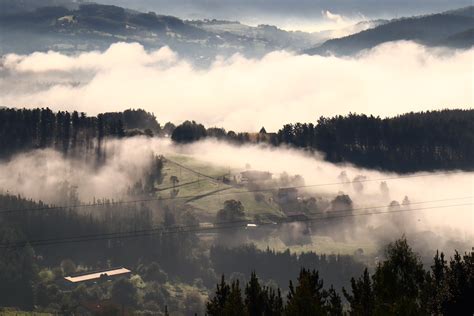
(87,205)
(191,170)
(195,228)
(133,234)
(247,221)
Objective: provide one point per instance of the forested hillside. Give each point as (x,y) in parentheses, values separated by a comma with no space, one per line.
(442,29)
(23,129)
(433,140)
(399,286)
(423,141)
(178,248)
(72,27)
(39,244)
(405,143)
(36,251)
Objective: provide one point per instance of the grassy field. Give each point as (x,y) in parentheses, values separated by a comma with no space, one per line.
(213,192)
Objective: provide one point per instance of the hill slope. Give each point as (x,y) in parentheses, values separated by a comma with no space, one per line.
(96,27)
(450,29)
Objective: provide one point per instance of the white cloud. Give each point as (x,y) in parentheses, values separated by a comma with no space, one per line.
(336,18)
(239,93)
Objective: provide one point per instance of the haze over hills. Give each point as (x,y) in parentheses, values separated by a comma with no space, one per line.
(96,27)
(452,29)
(68,26)
(289,12)
(144,156)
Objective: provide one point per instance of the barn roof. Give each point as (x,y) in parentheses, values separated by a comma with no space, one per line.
(97,275)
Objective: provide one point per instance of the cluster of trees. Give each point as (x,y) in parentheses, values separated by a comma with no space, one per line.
(154,175)
(23,129)
(259,300)
(406,143)
(399,286)
(410,142)
(20,267)
(190,131)
(156,258)
(282,266)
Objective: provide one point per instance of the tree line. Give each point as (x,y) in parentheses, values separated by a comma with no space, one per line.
(406,143)
(280,266)
(399,286)
(409,142)
(24,129)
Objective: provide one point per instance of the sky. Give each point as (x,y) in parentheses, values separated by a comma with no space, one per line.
(294,14)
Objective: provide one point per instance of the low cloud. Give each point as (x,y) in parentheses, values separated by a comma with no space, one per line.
(49,176)
(240,93)
(418,187)
(46,175)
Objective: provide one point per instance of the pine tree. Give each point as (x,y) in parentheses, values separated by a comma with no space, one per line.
(234,306)
(308,297)
(215,307)
(333,303)
(362,299)
(399,282)
(437,285)
(254,297)
(273,302)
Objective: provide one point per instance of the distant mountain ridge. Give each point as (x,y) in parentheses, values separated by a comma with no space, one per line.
(90,26)
(69,26)
(452,29)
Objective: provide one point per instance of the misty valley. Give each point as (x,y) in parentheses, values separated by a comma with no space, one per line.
(181,206)
(218,158)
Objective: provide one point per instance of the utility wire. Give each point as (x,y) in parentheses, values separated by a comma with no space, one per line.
(249,221)
(87,205)
(195,228)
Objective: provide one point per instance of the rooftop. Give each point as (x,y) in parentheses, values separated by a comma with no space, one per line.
(97,275)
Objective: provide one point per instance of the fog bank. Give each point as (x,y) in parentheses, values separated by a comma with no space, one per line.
(238,93)
(42,174)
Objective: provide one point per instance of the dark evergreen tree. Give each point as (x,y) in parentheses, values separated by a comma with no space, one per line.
(215,307)
(234,305)
(254,297)
(333,303)
(362,299)
(399,282)
(307,297)
(189,131)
